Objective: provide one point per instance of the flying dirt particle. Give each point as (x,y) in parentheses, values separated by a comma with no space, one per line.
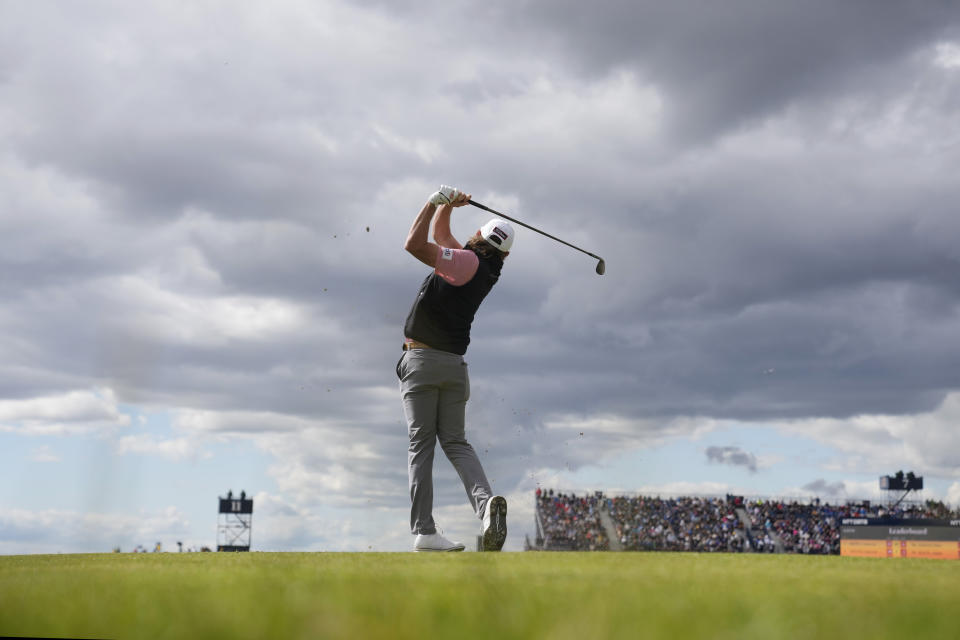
(368,229)
(324,288)
(581,434)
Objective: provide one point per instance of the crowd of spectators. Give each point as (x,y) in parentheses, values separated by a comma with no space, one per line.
(801,528)
(814,528)
(705,524)
(570,522)
(646,523)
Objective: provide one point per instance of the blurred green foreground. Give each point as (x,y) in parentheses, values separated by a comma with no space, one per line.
(476,595)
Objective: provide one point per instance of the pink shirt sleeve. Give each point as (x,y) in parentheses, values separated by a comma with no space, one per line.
(456,266)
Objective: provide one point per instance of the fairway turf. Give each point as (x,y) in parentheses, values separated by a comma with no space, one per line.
(476,595)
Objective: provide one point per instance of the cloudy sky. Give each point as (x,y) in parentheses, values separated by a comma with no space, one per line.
(202,213)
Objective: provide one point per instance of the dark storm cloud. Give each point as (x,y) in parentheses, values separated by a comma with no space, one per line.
(772,188)
(734,456)
(821,487)
(726,64)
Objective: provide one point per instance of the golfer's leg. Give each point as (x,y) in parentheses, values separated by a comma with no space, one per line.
(451,433)
(420,408)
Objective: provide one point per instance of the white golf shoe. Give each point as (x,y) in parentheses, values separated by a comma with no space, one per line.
(495,524)
(435,542)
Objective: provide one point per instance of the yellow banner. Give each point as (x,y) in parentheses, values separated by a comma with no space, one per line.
(863,548)
(933,549)
(900,549)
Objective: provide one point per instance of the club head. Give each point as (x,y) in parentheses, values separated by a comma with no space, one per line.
(601,267)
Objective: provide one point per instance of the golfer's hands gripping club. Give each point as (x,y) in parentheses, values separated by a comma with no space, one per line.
(451,196)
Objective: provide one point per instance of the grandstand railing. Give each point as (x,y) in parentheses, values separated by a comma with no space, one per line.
(541,538)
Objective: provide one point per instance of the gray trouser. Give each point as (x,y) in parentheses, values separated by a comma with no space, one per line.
(435,387)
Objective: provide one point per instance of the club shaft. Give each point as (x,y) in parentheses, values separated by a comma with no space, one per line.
(524,224)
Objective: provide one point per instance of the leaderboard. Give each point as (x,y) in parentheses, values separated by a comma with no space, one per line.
(892,538)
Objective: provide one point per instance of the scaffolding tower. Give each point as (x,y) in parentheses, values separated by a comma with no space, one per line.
(898,482)
(234,522)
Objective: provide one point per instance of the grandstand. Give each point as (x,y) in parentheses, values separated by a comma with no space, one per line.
(734,524)
(568,523)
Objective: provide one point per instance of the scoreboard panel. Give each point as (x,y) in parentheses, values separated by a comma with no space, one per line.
(890,538)
(236,505)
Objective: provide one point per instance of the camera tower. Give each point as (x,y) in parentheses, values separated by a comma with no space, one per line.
(234,522)
(900,482)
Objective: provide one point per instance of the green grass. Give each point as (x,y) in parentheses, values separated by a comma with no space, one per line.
(509,595)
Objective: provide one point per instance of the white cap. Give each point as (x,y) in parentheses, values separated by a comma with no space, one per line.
(499,233)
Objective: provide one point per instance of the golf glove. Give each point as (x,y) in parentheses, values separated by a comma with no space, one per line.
(446,195)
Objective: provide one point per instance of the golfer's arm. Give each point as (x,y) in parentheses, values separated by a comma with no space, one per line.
(441,229)
(418,243)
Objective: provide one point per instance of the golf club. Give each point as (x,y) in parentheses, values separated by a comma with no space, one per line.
(601,265)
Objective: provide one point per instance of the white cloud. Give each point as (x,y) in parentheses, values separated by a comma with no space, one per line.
(56,530)
(281,524)
(947,55)
(926,441)
(685,488)
(953,495)
(44,454)
(238,422)
(193,320)
(615,425)
(428,151)
(329,466)
(74,412)
(172,449)
(615,109)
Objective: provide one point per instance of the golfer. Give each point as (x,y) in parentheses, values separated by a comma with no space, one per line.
(433,375)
